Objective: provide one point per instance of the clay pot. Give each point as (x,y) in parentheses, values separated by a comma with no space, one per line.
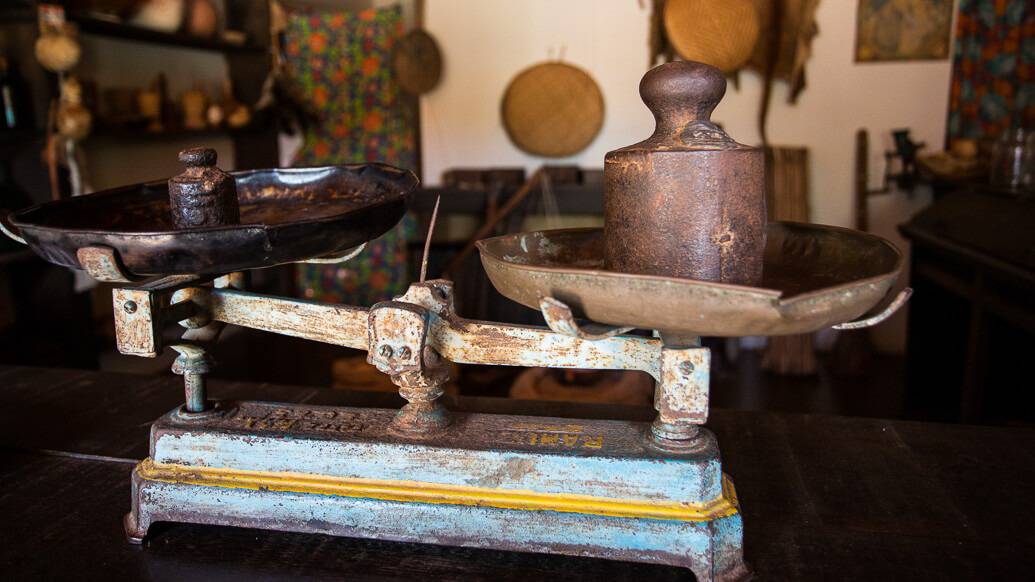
(203,19)
(194,103)
(239,117)
(964,148)
(215,116)
(160,15)
(237,114)
(73,120)
(149,103)
(58,51)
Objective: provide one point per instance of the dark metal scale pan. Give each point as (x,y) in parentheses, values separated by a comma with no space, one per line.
(287,215)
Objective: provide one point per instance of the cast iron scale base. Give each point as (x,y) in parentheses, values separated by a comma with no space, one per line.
(611,489)
(584,488)
(621,490)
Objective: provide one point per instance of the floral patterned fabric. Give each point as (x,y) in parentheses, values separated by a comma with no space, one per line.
(340,63)
(993,74)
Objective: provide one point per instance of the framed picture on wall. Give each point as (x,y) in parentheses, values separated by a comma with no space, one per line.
(903,30)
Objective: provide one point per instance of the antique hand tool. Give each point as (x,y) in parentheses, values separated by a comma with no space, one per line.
(699,261)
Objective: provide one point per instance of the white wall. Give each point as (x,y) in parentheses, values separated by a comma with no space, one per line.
(486,42)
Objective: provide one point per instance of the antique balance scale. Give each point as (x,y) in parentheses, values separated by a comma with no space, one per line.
(685,252)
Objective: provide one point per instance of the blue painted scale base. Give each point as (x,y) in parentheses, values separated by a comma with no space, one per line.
(595,488)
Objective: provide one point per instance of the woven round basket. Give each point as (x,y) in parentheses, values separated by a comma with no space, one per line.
(721,33)
(417,62)
(553,110)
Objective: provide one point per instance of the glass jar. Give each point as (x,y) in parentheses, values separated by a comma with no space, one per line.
(1013,161)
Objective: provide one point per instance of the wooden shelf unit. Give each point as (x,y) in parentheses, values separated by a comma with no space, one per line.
(106,28)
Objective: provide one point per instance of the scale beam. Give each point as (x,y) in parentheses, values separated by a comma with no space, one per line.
(438,333)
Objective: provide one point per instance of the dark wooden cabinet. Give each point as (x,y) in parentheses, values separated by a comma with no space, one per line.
(972,316)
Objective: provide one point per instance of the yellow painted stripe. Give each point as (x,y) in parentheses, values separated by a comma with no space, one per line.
(421,492)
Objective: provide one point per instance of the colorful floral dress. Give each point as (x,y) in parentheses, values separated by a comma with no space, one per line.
(340,63)
(993,72)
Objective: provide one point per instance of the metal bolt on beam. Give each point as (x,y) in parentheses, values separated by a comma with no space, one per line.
(195,392)
(193,363)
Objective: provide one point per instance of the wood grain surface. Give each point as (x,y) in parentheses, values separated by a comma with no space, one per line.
(824,498)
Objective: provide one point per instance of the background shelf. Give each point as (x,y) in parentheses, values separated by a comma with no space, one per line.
(96,26)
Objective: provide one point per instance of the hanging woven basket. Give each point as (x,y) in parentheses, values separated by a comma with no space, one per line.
(417,62)
(721,33)
(553,110)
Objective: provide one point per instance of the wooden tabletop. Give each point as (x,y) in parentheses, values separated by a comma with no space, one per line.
(824,498)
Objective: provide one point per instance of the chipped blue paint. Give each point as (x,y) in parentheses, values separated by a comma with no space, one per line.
(620,468)
(695,545)
(488,451)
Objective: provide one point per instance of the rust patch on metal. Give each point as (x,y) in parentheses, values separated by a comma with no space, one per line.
(398,345)
(137,331)
(102,263)
(341,325)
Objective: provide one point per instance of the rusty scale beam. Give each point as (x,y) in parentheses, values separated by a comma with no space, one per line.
(420,329)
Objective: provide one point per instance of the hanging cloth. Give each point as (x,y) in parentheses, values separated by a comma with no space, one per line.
(339,63)
(993,68)
(788,27)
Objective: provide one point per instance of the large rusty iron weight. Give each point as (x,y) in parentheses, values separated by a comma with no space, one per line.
(688,201)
